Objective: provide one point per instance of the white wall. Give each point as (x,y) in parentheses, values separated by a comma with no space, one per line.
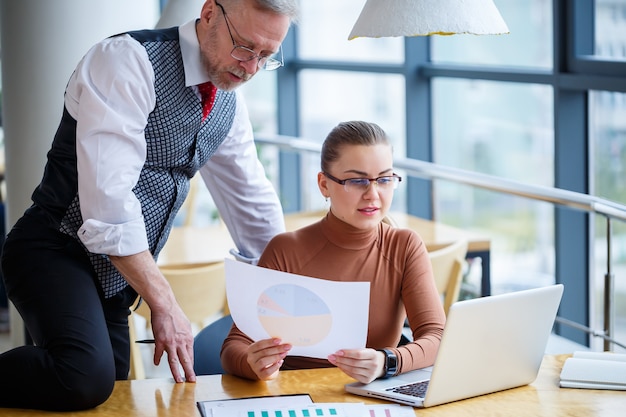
(41,43)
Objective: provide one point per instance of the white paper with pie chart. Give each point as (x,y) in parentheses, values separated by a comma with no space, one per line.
(294,312)
(309,313)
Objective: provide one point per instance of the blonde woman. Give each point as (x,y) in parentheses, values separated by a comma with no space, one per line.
(351,243)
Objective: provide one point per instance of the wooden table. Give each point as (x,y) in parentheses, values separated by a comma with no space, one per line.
(196,245)
(164,398)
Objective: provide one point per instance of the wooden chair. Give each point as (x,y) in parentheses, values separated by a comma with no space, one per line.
(390,221)
(201,293)
(447,265)
(299,219)
(199,289)
(188,209)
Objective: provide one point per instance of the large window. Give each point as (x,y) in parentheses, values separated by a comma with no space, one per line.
(608,159)
(543,105)
(529,43)
(504,130)
(330,22)
(607,145)
(610,29)
(330,97)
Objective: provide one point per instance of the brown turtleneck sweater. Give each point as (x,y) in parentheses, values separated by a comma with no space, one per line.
(396,264)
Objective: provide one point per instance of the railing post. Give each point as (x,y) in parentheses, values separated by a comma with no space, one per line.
(609,283)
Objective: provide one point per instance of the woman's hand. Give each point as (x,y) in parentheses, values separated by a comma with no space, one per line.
(364,365)
(265,357)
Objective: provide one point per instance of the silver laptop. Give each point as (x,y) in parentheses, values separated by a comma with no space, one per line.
(489,344)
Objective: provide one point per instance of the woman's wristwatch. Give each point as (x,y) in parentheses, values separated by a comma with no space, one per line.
(391,363)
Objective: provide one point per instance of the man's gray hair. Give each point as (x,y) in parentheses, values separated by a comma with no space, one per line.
(289,8)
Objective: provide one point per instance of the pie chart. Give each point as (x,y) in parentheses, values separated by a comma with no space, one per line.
(295,314)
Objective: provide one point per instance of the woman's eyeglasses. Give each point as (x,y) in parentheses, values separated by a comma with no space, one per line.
(384,183)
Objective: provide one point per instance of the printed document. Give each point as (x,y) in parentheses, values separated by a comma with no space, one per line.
(317,316)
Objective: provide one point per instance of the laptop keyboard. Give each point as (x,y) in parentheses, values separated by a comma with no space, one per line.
(416,389)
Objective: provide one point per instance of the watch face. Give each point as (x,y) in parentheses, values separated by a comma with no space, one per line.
(392,362)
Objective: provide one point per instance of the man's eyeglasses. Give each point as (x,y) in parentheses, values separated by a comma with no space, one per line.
(243,54)
(384,183)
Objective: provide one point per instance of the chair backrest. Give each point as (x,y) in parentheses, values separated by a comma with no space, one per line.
(188,209)
(447,265)
(200,290)
(390,221)
(207,346)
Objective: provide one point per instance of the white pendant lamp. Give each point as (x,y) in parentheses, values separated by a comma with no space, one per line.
(384,18)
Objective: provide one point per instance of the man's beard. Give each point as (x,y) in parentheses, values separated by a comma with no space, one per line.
(217,76)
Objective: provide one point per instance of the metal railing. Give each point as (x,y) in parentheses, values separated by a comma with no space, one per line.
(428,170)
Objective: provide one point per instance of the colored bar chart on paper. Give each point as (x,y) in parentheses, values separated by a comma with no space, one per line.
(314,410)
(295,412)
(254,403)
(299,405)
(390,410)
(319,410)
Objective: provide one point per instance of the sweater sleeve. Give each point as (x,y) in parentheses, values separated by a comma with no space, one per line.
(423,308)
(233,354)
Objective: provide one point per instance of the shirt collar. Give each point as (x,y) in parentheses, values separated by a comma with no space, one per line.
(190,50)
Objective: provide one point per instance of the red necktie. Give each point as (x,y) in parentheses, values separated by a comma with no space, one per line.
(207,93)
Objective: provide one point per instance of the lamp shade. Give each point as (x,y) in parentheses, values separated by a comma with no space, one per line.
(383,18)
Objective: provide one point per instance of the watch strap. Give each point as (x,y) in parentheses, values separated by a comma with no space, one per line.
(391,363)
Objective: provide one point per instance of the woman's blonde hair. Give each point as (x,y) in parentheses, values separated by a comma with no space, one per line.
(350,133)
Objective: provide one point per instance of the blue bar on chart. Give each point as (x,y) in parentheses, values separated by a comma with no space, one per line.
(296,412)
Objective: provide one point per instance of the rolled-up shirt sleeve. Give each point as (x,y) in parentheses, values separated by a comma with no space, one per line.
(243,195)
(110,94)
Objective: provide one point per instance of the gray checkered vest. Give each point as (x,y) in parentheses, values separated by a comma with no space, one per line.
(178,144)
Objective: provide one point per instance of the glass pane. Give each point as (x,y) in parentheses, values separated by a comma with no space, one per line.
(610,29)
(330,97)
(529,43)
(504,130)
(323,34)
(260,97)
(607,129)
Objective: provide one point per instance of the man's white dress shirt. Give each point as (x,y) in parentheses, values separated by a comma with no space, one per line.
(110,95)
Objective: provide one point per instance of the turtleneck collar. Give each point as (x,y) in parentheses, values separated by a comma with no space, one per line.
(346,236)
